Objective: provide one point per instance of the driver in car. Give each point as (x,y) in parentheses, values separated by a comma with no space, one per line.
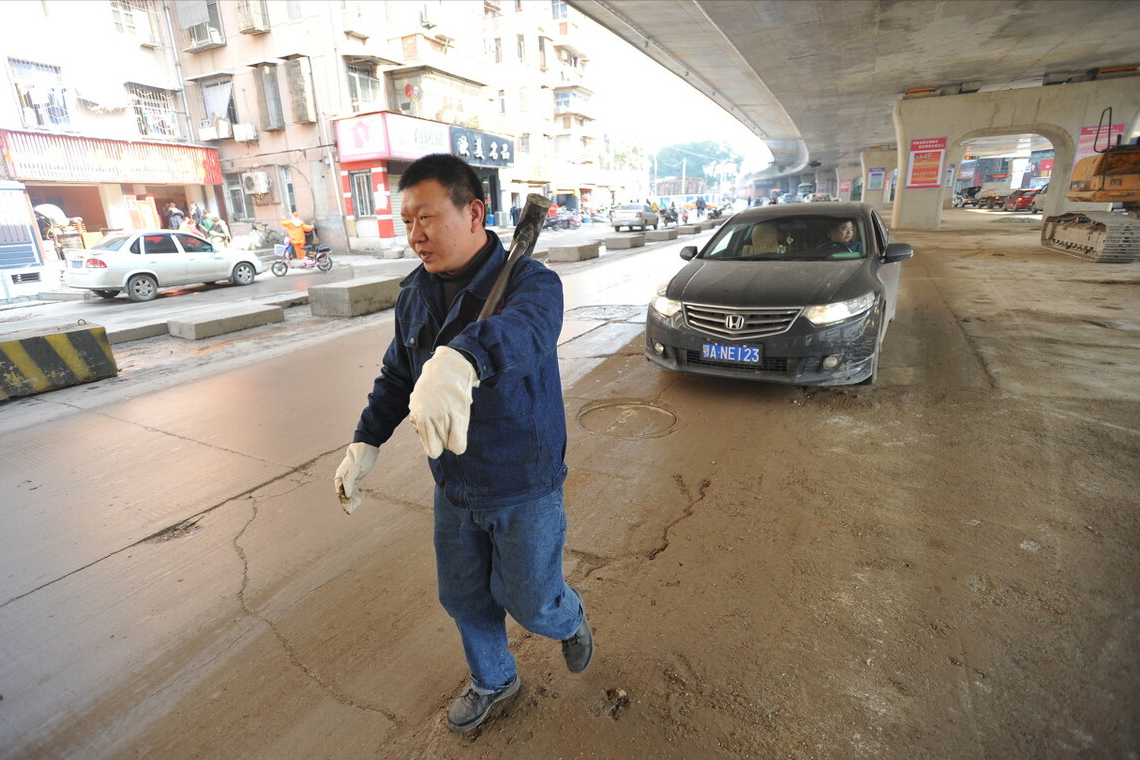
(841,239)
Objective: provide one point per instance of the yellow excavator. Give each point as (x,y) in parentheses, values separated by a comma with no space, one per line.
(1111,176)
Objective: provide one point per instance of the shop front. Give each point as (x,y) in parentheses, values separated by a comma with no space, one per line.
(110,184)
(374,151)
(95,184)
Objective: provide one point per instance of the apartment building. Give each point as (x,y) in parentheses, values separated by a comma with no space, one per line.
(100,136)
(255,107)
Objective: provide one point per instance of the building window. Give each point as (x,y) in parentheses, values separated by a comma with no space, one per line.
(559,9)
(154,111)
(363,87)
(521,42)
(133,18)
(502,101)
(201,22)
(524,100)
(542,52)
(239,206)
(289,196)
(363,201)
(498,50)
(562,102)
(269,97)
(42,96)
(299,76)
(524,142)
(293,9)
(218,99)
(253,16)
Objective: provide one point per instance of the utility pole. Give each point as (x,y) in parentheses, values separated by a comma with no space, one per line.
(684,192)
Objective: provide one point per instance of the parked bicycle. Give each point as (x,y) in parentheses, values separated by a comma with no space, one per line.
(261,236)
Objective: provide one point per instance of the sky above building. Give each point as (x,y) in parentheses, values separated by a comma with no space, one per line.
(656,108)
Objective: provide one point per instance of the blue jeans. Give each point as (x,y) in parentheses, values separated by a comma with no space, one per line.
(493,561)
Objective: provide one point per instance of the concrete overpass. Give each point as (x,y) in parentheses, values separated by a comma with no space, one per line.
(838,87)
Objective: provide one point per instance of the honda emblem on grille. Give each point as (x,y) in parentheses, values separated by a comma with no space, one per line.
(734,322)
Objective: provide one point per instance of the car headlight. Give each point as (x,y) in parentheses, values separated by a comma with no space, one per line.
(666,307)
(837,312)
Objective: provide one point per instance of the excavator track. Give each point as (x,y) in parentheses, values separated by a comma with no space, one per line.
(1098,236)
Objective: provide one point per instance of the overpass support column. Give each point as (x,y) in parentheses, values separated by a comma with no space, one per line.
(877,166)
(846,176)
(925,126)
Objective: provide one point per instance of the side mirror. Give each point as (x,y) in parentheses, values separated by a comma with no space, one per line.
(689,252)
(898,252)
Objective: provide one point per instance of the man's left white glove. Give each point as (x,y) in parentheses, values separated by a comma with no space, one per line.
(440,404)
(359,459)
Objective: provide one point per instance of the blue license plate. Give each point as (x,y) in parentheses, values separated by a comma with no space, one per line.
(77,264)
(738,354)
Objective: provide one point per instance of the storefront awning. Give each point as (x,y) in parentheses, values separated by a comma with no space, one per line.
(64,158)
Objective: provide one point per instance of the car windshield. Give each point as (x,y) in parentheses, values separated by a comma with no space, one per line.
(788,238)
(112,242)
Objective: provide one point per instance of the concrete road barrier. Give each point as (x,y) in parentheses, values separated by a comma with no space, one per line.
(138,331)
(662,234)
(688,229)
(354,298)
(625,241)
(33,362)
(574,252)
(220,322)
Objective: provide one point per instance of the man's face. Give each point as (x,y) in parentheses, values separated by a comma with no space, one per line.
(444,236)
(843,233)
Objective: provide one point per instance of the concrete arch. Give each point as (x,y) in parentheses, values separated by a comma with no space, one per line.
(1064,150)
(1057,112)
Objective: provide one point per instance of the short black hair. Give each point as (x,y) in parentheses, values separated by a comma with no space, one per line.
(456,175)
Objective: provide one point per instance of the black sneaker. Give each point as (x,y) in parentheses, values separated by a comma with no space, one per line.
(578,650)
(471,709)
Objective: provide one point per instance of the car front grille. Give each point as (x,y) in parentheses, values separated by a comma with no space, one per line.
(741,323)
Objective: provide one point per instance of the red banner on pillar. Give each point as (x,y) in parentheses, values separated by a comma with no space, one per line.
(924,167)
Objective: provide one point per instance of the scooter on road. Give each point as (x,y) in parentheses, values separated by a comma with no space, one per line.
(317,256)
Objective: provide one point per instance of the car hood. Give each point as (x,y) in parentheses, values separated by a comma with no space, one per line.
(762,283)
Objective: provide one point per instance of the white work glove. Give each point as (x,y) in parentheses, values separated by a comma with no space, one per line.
(440,404)
(359,460)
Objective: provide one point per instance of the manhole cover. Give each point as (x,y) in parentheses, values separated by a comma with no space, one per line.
(627,420)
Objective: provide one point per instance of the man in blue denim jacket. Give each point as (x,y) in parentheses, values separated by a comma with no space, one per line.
(485,398)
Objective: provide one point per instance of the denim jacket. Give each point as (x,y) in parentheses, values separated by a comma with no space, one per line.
(516,441)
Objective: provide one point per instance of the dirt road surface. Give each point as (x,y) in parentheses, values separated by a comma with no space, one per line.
(942,566)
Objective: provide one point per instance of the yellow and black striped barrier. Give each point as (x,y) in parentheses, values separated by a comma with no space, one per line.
(33,362)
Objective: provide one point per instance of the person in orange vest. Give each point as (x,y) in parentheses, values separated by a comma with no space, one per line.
(295,228)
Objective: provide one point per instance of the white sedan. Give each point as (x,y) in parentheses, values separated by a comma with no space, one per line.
(142,262)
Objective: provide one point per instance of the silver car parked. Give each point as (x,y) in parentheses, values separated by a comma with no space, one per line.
(142,262)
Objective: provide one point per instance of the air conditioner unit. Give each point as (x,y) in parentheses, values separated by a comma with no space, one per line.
(207,131)
(245,132)
(255,183)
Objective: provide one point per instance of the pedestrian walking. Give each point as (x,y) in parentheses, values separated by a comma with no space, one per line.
(485,399)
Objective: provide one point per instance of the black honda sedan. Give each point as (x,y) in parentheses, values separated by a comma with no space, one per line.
(799,294)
